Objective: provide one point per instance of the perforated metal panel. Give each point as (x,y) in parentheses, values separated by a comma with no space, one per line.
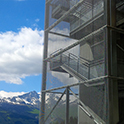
(86,30)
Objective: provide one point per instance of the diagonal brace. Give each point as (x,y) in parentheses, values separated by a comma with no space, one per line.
(55,106)
(89,112)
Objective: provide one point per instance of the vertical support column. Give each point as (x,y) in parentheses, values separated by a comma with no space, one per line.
(107,55)
(112,83)
(44,69)
(113,86)
(67,106)
(111,63)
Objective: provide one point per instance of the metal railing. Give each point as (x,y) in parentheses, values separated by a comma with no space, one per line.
(79,66)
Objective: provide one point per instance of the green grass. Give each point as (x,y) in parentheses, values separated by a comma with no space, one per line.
(3,111)
(35,111)
(8,118)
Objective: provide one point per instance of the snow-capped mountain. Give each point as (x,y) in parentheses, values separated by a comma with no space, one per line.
(10,94)
(31,98)
(24,108)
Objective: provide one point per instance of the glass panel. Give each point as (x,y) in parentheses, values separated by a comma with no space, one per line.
(58,79)
(93,50)
(58,75)
(85,12)
(56,43)
(80,63)
(73,106)
(88,17)
(58,114)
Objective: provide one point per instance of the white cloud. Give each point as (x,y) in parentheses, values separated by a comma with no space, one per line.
(10,94)
(37,20)
(58,42)
(21,54)
(35,25)
(64,77)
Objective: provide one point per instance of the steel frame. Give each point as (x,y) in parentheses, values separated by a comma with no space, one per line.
(111,78)
(84,108)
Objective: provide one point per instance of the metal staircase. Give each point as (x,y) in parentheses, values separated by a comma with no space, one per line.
(77,67)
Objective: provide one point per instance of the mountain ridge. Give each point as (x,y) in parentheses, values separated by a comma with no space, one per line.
(30,98)
(22,109)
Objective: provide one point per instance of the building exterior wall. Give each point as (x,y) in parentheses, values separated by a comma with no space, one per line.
(83,62)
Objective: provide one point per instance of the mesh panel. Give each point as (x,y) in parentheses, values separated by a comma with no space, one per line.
(97,96)
(94,51)
(121,99)
(83,19)
(119,12)
(56,76)
(58,114)
(73,106)
(57,42)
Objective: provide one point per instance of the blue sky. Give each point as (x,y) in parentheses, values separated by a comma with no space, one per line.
(21,44)
(21,47)
(15,14)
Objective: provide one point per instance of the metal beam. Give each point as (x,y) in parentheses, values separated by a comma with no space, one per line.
(67,106)
(88,111)
(76,43)
(116,29)
(88,81)
(83,39)
(54,106)
(60,34)
(85,108)
(76,84)
(44,70)
(60,93)
(65,15)
(48,1)
(113,83)
(120,22)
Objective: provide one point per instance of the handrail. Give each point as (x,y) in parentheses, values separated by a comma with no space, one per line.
(88,111)
(119,4)
(96,62)
(55,52)
(76,63)
(81,60)
(85,59)
(120,47)
(80,57)
(82,40)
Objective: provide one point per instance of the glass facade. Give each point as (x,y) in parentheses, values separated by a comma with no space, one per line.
(83,62)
